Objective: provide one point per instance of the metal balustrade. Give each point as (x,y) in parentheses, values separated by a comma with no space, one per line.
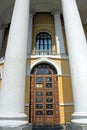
(43,52)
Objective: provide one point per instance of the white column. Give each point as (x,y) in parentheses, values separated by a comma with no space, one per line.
(13,83)
(59,35)
(29,46)
(77,48)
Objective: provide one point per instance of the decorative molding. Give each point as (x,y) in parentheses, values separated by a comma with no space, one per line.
(1,73)
(44,60)
(2,60)
(66,104)
(65,117)
(43,25)
(56,11)
(26,105)
(58,56)
(66,110)
(65,75)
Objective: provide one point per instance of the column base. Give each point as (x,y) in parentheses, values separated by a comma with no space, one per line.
(15,125)
(13,116)
(77,124)
(79,115)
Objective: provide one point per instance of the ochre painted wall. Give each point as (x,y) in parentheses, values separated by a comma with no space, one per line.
(65,91)
(45,23)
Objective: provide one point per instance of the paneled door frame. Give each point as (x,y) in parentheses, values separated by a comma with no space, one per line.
(44,98)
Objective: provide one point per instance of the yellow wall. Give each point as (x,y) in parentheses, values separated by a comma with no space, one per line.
(65,91)
(45,22)
(65,96)
(65,114)
(43,18)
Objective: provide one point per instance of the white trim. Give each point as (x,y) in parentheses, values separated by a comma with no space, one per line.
(44,60)
(26,105)
(80,122)
(66,110)
(1,73)
(65,117)
(65,75)
(58,56)
(66,104)
(2,59)
(58,34)
(12,124)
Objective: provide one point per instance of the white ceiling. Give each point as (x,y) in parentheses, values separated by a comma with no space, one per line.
(6,8)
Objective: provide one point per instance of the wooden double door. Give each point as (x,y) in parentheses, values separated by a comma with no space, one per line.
(44,103)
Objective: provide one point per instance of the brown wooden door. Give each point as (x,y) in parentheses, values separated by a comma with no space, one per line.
(44,103)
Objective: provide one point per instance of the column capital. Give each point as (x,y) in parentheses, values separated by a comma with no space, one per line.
(56,12)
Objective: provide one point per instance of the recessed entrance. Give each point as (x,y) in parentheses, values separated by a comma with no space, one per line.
(44,103)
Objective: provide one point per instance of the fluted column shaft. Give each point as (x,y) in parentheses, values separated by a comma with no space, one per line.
(13,83)
(77,48)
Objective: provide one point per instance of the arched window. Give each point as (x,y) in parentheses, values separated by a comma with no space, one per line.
(43,43)
(43,68)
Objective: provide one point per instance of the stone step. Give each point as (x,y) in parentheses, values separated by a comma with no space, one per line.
(47,127)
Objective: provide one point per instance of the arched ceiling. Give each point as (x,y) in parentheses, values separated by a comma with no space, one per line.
(6,8)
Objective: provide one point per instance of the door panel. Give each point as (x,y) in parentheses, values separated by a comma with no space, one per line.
(44,103)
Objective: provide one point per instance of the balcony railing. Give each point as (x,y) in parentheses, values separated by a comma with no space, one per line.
(43,52)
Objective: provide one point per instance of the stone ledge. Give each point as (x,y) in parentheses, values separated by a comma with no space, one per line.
(79,121)
(26,127)
(13,123)
(72,126)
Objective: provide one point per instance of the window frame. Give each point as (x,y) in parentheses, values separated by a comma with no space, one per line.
(43,41)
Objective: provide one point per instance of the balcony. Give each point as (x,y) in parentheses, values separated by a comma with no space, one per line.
(43,52)
(46,54)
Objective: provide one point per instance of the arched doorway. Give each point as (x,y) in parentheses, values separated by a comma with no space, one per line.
(44,102)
